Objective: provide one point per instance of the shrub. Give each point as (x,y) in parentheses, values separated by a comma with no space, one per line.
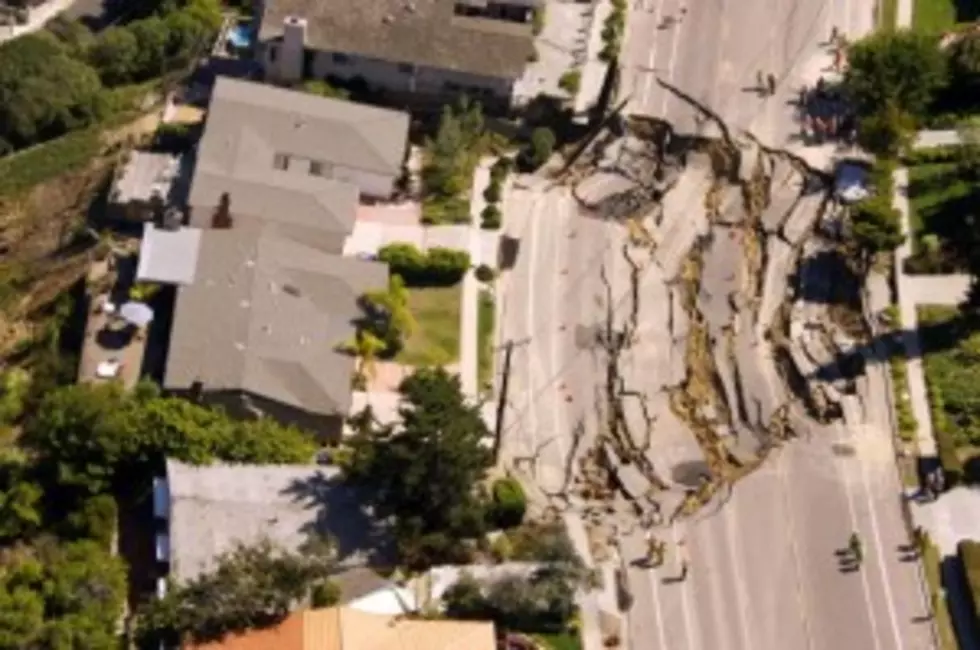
(447,266)
(492,193)
(405,260)
(97,519)
(509,502)
(325,594)
(945,443)
(537,20)
(491,218)
(440,266)
(500,169)
(485,273)
(968,551)
(539,149)
(502,548)
(570,81)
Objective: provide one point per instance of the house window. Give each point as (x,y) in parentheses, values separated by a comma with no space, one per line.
(316,168)
(452,86)
(281,162)
(340,59)
(406,68)
(273,51)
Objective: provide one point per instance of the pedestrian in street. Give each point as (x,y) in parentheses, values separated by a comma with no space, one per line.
(771,79)
(856,548)
(683,570)
(834,35)
(759,81)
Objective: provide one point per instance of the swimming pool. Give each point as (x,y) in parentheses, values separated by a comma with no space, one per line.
(241,36)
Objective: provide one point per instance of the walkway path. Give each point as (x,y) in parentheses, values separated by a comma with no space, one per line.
(930,139)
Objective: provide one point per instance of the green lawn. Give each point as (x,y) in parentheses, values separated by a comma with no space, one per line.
(935,16)
(952,366)
(888,14)
(566,641)
(939,200)
(487,313)
(435,338)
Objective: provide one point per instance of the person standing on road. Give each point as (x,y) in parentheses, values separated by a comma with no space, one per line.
(771,83)
(857,550)
(760,81)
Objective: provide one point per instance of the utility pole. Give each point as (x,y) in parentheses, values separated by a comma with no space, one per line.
(502,400)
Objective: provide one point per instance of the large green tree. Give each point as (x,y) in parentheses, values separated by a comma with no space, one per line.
(44,91)
(903,68)
(964,64)
(60,595)
(425,473)
(249,587)
(93,438)
(115,54)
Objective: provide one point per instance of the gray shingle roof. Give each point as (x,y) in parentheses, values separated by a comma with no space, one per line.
(249,123)
(429,34)
(264,315)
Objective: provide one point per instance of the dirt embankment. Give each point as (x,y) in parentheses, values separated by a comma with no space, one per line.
(45,239)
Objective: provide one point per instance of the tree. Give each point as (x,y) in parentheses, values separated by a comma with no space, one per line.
(91,439)
(250,587)
(153,37)
(55,595)
(389,319)
(20,500)
(425,473)
(323,89)
(964,64)
(45,91)
(541,147)
(115,55)
(875,228)
(886,132)
(903,68)
(453,153)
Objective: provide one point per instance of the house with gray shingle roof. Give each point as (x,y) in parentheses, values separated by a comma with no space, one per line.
(404,47)
(265,295)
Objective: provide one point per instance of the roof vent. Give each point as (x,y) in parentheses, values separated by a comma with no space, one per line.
(266,329)
(239,346)
(244,304)
(291,290)
(388,19)
(410,7)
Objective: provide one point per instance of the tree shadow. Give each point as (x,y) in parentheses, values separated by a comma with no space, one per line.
(341,516)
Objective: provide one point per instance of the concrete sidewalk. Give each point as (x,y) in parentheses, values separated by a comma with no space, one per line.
(916,381)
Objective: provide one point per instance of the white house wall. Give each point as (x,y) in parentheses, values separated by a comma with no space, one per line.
(388,75)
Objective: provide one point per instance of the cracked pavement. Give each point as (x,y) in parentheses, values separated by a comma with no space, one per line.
(679,312)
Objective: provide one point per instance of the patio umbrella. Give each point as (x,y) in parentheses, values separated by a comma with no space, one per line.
(136,313)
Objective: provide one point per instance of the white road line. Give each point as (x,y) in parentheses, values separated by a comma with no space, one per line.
(852,511)
(531,422)
(556,361)
(717,603)
(648,77)
(740,591)
(689,628)
(676,31)
(797,562)
(657,611)
(885,584)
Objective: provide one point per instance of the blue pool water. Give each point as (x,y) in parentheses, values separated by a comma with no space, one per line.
(241,36)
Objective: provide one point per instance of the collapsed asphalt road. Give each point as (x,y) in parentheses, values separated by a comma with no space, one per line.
(701,388)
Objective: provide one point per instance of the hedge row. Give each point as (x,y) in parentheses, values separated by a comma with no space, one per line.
(968,551)
(946,153)
(932,566)
(945,443)
(436,267)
